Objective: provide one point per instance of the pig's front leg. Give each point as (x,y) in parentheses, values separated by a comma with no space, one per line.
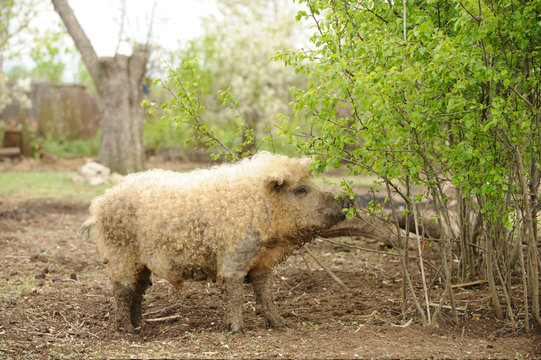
(261,283)
(232,288)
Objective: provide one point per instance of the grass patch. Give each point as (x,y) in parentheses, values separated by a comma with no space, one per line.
(55,185)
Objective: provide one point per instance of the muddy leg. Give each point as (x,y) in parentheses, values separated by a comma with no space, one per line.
(142,283)
(123,298)
(233,291)
(262,288)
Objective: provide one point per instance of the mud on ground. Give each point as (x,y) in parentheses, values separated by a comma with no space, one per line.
(55,302)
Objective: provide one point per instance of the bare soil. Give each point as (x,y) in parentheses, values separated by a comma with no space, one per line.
(55,302)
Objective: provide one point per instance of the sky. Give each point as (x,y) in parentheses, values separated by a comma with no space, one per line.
(174,21)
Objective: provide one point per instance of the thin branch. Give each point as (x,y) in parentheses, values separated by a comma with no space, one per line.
(421,262)
(468,284)
(121,28)
(314,17)
(473,16)
(190,107)
(364,249)
(521,96)
(403,258)
(461,112)
(83,44)
(164,318)
(149,34)
(327,270)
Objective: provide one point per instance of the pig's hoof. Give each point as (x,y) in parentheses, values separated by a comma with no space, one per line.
(126,327)
(236,329)
(278,324)
(138,325)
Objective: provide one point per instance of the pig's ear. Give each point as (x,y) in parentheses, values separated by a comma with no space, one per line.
(276,184)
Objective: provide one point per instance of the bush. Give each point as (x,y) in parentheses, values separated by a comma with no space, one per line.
(69,148)
(437,96)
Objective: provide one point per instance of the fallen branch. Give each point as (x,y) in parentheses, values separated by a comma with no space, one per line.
(164,318)
(461,308)
(164,309)
(468,284)
(403,325)
(329,272)
(364,249)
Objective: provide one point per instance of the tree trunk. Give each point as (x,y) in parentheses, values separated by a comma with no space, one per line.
(118,81)
(120,96)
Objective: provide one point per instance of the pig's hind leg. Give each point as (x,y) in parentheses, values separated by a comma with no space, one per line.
(142,283)
(261,283)
(129,285)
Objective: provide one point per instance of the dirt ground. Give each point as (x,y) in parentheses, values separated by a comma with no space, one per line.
(55,302)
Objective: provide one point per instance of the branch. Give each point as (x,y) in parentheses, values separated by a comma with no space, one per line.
(149,35)
(79,38)
(331,274)
(521,96)
(364,249)
(314,17)
(190,107)
(473,16)
(121,29)
(172,317)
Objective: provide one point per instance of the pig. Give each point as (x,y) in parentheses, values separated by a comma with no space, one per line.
(231,224)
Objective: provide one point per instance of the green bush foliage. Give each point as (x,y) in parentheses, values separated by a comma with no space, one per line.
(226,81)
(438,96)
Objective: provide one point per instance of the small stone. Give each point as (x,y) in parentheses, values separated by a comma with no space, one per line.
(73,276)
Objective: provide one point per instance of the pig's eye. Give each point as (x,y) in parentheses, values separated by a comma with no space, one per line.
(301,191)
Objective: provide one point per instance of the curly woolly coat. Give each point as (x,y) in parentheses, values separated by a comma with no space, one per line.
(229,223)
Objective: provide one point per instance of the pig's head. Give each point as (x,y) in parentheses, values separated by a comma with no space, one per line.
(298,208)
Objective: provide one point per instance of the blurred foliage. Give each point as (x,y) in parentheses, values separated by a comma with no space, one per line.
(160,134)
(67,148)
(15,17)
(223,83)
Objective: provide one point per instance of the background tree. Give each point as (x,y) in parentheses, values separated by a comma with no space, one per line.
(15,18)
(118,81)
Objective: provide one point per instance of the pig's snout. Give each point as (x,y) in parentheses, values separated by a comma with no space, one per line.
(332,208)
(347,202)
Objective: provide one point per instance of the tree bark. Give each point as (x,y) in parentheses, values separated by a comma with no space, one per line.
(118,81)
